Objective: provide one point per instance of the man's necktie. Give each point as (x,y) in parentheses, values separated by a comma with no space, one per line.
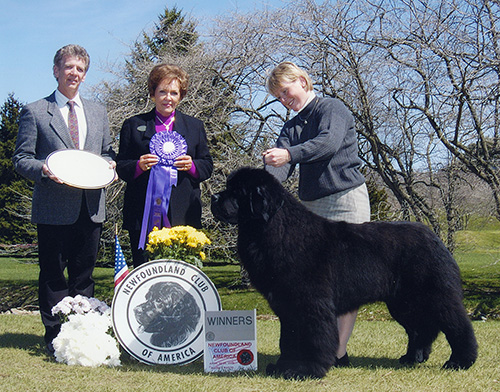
(73,124)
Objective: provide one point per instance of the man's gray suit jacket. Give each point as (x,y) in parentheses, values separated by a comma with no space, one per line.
(42,130)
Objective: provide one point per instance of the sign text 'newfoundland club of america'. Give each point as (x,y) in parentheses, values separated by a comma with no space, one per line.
(230,341)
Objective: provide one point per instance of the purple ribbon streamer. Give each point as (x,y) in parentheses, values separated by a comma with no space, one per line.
(167,146)
(161,181)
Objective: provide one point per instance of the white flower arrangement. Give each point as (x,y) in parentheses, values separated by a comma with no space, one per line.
(86,336)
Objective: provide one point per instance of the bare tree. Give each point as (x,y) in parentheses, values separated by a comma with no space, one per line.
(450,55)
(210,98)
(420,77)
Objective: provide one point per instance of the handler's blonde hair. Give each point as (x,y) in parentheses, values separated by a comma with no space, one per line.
(286,72)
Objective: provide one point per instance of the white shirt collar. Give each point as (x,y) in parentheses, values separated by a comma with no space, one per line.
(62,100)
(312,95)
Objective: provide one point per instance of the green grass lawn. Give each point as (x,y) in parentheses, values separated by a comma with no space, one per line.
(374,348)
(480,274)
(478,256)
(18,286)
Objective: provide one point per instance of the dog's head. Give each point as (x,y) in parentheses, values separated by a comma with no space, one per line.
(169,313)
(250,194)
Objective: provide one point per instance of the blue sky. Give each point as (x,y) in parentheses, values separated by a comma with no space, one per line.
(31,31)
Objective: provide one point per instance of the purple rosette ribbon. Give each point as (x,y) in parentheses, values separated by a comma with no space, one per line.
(167,146)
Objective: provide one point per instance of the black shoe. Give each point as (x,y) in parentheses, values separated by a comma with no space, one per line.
(343,362)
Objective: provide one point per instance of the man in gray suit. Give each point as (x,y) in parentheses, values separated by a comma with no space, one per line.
(69,220)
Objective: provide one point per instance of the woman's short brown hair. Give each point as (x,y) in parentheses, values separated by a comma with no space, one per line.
(286,72)
(168,72)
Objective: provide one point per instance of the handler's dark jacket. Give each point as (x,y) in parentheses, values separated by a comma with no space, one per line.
(185,201)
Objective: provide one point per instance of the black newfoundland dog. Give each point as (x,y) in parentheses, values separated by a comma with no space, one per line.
(311,270)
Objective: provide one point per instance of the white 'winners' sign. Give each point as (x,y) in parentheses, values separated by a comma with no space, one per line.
(230,341)
(158,312)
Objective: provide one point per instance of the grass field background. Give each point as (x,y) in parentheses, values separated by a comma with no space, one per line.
(374,348)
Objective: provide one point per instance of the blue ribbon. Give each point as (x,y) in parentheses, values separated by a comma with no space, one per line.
(167,146)
(161,181)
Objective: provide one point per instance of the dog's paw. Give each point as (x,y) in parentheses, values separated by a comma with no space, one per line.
(419,356)
(407,360)
(454,365)
(290,373)
(272,370)
(451,365)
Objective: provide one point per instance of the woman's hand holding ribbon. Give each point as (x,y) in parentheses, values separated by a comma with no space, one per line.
(183,163)
(147,161)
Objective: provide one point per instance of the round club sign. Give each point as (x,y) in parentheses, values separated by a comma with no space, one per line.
(158,312)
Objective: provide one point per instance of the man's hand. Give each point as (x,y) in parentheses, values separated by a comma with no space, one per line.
(49,174)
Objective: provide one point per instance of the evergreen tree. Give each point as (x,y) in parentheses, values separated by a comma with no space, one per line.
(15,191)
(210,98)
(173,34)
(173,40)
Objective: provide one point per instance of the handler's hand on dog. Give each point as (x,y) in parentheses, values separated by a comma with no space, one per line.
(276,157)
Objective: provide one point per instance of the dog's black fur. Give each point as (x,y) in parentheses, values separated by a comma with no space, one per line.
(311,270)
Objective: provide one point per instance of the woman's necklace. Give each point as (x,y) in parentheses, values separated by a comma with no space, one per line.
(304,120)
(166,125)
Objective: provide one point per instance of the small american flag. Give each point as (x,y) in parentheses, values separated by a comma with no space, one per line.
(121,268)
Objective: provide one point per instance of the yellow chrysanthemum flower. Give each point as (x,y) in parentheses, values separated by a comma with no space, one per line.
(178,242)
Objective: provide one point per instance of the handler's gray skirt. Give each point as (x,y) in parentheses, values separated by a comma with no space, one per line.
(352,205)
